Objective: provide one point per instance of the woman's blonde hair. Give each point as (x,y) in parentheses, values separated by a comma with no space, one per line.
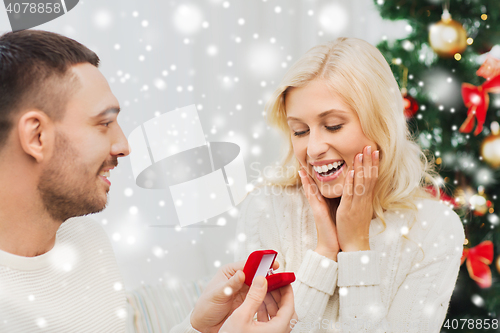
(359,74)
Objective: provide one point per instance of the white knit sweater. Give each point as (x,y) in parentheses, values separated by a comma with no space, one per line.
(363,291)
(74,287)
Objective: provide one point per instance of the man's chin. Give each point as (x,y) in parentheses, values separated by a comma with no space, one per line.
(93,211)
(95,206)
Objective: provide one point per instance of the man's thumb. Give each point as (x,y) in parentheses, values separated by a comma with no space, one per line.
(255,297)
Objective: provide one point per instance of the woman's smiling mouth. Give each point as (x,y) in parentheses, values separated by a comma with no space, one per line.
(328,172)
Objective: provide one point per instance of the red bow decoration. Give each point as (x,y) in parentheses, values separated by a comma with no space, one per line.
(477,100)
(478,259)
(444,197)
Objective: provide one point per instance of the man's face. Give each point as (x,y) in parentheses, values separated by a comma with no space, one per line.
(88,141)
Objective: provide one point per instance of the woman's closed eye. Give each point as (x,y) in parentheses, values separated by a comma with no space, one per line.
(330,128)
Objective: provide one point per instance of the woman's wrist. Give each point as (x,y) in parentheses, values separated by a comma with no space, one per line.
(329,253)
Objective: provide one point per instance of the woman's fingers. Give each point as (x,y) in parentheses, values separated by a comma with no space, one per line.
(359,178)
(347,191)
(325,226)
(375,164)
(312,191)
(367,168)
(370,166)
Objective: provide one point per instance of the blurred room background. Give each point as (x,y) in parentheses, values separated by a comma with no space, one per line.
(224,56)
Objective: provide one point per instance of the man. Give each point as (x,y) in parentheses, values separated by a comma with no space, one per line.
(59,139)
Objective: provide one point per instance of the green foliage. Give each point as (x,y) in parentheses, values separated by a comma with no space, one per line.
(460,152)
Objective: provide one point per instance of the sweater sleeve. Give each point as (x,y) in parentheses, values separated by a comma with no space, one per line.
(315,283)
(259,228)
(421,301)
(185,326)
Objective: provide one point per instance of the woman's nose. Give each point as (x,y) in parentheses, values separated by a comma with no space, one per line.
(317,146)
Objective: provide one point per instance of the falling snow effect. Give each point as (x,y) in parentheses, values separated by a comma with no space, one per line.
(230,78)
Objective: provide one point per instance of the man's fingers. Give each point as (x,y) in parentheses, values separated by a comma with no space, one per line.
(285,313)
(262,313)
(286,305)
(234,284)
(276,295)
(255,297)
(271,305)
(230,269)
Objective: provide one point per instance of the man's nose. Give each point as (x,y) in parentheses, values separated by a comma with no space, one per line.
(120,145)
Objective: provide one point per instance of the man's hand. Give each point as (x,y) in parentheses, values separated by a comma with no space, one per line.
(241,320)
(225,293)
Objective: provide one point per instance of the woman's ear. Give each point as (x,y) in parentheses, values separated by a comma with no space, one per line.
(35,134)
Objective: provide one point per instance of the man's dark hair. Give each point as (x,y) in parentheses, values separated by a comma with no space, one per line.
(34,74)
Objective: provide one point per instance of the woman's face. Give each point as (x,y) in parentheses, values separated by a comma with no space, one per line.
(324,130)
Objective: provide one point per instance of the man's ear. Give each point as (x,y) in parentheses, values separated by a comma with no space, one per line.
(36,134)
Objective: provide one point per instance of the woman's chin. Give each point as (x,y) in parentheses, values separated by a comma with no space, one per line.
(331,194)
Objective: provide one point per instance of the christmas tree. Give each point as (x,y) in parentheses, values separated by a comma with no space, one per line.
(448,69)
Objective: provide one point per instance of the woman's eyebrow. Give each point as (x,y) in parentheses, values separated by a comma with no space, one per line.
(323,114)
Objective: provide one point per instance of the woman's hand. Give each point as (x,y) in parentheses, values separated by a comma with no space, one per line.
(328,244)
(355,211)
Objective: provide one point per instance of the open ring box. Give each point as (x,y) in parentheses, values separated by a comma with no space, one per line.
(260,263)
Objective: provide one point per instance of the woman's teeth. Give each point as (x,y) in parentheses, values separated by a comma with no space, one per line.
(328,167)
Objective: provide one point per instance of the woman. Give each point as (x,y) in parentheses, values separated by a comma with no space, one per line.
(371,249)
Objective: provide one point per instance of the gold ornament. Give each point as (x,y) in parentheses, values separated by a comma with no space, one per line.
(497,263)
(479,203)
(462,195)
(447,37)
(490,147)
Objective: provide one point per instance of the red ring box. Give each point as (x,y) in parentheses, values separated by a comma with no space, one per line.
(260,263)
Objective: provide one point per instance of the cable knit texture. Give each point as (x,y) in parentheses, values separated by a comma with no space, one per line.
(74,287)
(390,288)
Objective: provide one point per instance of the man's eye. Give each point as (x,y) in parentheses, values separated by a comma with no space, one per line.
(107,124)
(300,133)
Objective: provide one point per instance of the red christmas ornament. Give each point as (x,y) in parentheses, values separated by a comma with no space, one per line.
(410,104)
(478,259)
